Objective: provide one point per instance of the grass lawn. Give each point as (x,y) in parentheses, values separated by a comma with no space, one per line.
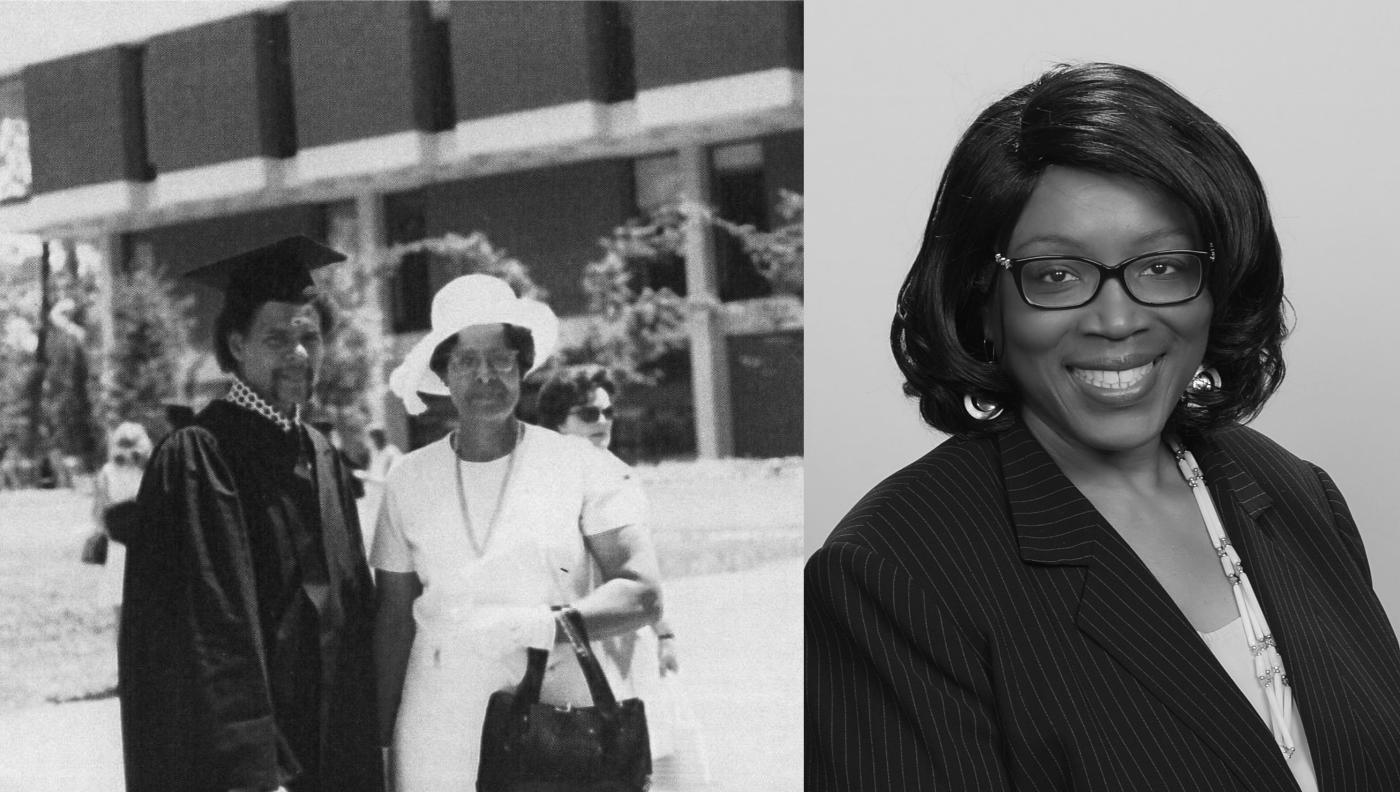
(58,644)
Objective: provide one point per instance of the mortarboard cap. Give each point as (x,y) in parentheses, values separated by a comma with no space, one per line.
(280,271)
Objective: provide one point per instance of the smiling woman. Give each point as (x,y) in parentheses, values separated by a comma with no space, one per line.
(1107,372)
(1103,581)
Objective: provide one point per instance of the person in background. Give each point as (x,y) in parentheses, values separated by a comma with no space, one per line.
(128,449)
(383,456)
(578,401)
(244,652)
(11,476)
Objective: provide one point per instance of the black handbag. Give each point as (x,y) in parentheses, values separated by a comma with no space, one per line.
(95,549)
(122,520)
(527,746)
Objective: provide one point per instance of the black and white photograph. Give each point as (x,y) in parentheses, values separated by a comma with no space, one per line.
(401,396)
(1101,428)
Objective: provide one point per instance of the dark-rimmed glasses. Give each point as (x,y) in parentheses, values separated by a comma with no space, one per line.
(1162,277)
(590,414)
(499,361)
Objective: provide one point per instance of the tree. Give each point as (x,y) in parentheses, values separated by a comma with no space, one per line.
(776,254)
(456,255)
(633,328)
(353,354)
(19,339)
(150,348)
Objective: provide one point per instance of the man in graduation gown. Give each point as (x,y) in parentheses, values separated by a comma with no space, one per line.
(244,657)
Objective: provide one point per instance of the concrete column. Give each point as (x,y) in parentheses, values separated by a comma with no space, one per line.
(109,251)
(709,351)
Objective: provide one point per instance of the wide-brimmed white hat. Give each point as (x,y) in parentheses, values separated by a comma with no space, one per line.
(466,301)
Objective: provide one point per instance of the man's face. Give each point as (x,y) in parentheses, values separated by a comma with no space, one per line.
(281,353)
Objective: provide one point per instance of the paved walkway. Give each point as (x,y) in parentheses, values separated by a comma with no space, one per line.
(740,652)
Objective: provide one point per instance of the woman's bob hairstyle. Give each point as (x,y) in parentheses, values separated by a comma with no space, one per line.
(1110,119)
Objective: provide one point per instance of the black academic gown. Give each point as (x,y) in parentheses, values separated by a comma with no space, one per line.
(244,654)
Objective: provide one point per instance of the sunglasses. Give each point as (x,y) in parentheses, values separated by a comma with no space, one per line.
(591,414)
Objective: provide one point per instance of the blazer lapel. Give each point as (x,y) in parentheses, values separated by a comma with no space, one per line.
(1285,586)
(1126,613)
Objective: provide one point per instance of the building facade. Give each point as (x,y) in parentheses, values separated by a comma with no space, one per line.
(542,125)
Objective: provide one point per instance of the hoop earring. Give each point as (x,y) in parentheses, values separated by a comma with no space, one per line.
(978,412)
(1205,380)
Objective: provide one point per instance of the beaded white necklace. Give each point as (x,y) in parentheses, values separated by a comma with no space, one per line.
(240,394)
(1268,666)
(480,545)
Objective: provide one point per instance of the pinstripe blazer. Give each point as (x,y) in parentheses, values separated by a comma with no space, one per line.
(974,623)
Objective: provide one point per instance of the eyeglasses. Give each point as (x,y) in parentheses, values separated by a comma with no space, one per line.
(1163,277)
(501,361)
(591,414)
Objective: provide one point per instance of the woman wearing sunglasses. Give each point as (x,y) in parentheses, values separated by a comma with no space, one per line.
(578,401)
(1103,581)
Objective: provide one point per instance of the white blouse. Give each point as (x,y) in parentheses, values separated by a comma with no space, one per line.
(1230,647)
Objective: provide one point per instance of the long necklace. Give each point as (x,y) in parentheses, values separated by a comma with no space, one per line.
(1268,666)
(480,547)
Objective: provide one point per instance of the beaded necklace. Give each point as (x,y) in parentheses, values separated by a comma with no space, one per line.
(480,546)
(1268,666)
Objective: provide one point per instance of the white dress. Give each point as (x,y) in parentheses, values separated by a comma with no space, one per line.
(479,613)
(114,483)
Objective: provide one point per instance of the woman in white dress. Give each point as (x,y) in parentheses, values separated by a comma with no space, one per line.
(482,533)
(128,449)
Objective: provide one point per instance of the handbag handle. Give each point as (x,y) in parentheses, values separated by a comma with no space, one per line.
(572,621)
(528,693)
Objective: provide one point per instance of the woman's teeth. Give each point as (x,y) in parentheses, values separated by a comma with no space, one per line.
(1114,380)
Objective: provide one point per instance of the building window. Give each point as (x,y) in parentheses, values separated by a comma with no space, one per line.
(410,288)
(16,175)
(657,185)
(740,195)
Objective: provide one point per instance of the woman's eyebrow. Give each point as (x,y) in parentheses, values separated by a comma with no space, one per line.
(1060,240)
(1168,232)
(1050,239)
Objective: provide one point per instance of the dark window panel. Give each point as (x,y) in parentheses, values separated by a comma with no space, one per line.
(782,164)
(765,376)
(509,57)
(214,93)
(360,70)
(686,41)
(85,119)
(410,288)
